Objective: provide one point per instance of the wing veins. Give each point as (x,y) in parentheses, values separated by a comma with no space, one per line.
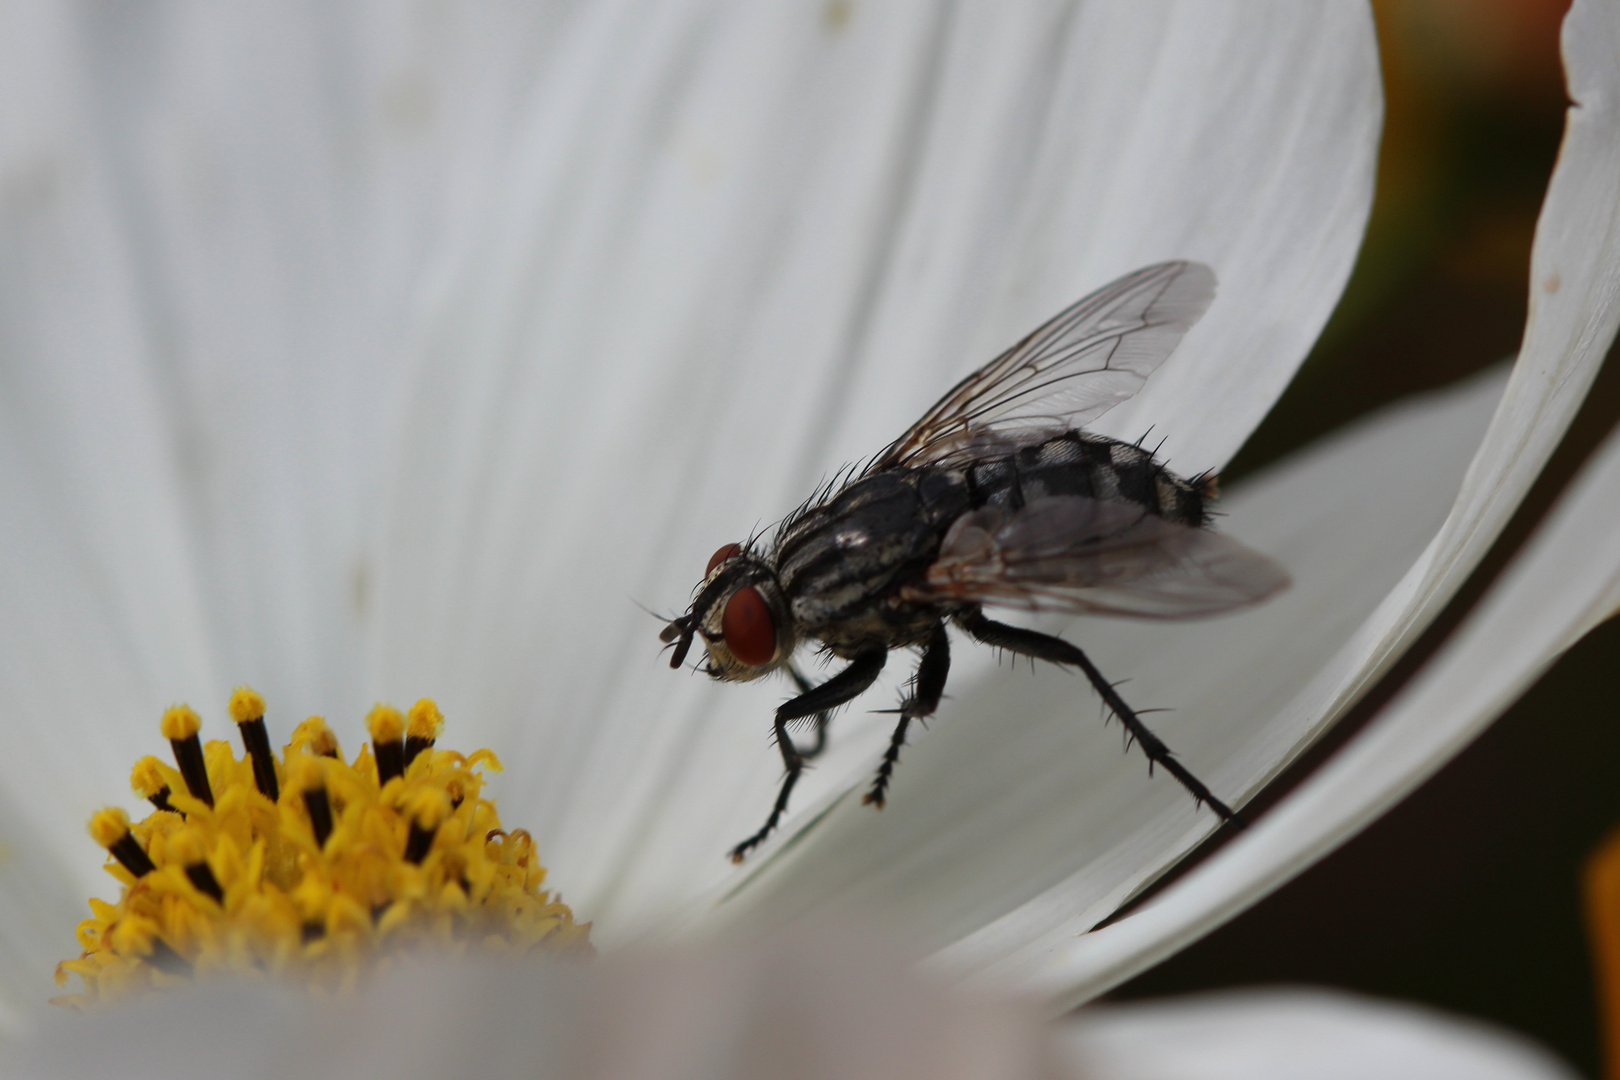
(1027,389)
(1154,306)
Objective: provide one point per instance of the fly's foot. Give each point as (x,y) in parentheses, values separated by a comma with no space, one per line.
(876,795)
(927,687)
(740,852)
(795,767)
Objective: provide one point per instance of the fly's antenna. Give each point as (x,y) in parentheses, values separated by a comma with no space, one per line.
(679,634)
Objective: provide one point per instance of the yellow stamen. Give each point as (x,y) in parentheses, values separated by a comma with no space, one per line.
(314,736)
(180,722)
(312,884)
(109,826)
(385,724)
(387,727)
(246,705)
(150,780)
(422,726)
(247,709)
(180,726)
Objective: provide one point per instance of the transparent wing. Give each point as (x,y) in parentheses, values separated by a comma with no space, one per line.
(1089,357)
(1083,556)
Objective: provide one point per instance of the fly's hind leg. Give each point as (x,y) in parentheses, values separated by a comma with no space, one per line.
(927,687)
(1046,647)
(847,684)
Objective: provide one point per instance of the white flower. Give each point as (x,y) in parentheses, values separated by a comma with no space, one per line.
(828,1006)
(364,353)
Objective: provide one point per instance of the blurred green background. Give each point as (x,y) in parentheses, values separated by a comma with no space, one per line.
(1466,896)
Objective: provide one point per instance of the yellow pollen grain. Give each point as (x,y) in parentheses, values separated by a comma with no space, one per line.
(181,722)
(246,705)
(313,735)
(318,912)
(108,826)
(424,721)
(385,724)
(147,778)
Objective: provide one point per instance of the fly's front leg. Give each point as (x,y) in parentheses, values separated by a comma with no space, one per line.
(847,684)
(821,718)
(927,687)
(1046,647)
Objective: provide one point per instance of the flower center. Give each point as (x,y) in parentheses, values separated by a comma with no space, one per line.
(306,867)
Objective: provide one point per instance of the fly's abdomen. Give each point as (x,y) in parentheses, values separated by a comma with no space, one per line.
(1079,463)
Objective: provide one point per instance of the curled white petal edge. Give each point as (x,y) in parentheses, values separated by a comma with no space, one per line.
(1565,583)
(1574,310)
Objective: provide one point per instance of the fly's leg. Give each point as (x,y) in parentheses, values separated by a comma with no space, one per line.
(847,684)
(927,687)
(805,686)
(1046,647)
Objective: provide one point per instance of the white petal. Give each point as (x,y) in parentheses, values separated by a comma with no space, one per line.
(1565,582)
(724,234)
(1024,848)
(1295,1034)
(211,224)
(101,610)
(276,176)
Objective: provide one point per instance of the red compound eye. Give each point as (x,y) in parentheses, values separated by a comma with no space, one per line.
(720,555)
(749,631)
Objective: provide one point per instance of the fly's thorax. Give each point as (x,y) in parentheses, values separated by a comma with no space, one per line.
(843,562)
(746,623)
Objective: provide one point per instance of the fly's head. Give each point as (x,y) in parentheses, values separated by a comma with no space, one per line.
(741,615)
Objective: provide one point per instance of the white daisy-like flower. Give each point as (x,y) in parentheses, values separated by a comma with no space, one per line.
(367,354)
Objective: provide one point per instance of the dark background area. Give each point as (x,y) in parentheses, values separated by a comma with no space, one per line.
(1466,896)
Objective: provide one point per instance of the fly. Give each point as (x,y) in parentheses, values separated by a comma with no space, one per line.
(997,496)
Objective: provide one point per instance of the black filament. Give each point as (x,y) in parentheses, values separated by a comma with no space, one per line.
(129,853)
(320,813)
(203,878)
(415,744)
(160,799)
(257,741)
(188,755)
(390,761)
(419,842)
